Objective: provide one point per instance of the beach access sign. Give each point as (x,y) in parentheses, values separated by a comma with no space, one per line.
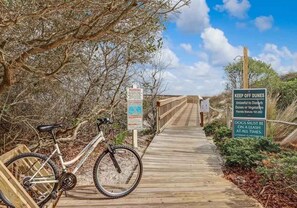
(204,107)
(249,112)
(134,108)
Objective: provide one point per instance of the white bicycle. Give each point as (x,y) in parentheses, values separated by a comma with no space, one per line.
(116,173)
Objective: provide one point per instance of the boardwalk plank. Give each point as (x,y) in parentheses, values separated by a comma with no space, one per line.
(181,169)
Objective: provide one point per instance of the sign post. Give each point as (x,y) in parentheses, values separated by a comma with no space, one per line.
(204,108)
(249,112)
(134,111)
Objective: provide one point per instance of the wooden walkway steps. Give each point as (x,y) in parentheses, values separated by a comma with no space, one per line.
(181,169)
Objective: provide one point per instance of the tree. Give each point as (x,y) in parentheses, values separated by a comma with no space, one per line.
(41,37)
(260,75)
(153,84)
(70,61)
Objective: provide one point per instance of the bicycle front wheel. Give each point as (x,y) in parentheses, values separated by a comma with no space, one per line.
(37,174)
(117,173)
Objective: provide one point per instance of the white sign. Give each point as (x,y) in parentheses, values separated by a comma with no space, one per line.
(134,108)
(134,94)
(204,106)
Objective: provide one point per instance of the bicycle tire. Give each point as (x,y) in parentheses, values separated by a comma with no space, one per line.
(105,168)
(4,200)
(25,163)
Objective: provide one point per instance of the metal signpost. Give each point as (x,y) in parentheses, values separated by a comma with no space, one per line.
(249,112)
(134,111)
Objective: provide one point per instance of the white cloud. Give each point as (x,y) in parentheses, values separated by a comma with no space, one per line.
(187,47)
(218,47)
(193,18)
(235,8)
(196,79)
(264,22)
(281,59)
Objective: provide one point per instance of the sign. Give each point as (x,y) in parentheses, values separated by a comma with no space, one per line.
(134,108)
(249,103)
(134,94)
(249,128)
(204,106)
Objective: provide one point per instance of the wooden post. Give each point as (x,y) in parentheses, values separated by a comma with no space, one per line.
(245,68)
(201,122)
(158,117)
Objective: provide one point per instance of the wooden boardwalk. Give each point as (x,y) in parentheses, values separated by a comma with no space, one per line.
(181,169)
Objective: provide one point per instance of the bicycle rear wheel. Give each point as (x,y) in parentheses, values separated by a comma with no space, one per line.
(116,183)
(37,174)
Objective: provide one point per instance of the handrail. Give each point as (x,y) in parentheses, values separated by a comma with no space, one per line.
(9,185)
(11,188)
(283,122)
(167,108)
(169,100)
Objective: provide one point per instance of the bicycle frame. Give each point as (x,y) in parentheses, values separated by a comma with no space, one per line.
(85,153)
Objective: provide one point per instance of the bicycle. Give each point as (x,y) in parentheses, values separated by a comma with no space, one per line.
(116,172)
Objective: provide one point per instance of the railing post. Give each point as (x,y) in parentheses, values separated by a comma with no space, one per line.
(158,117)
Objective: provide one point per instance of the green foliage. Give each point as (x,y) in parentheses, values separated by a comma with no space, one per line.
(281,166)
(260,75)
(222,132)
(211,128)
(267,145)
(288,93)
(246,152)
(120,138)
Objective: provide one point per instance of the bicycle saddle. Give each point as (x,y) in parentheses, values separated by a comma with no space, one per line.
(48,128)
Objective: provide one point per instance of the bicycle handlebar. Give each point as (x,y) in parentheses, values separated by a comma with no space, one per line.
(104,121)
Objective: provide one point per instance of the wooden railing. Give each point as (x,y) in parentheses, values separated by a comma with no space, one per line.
(167,108)
(292,136)
(9,186)
(193,99)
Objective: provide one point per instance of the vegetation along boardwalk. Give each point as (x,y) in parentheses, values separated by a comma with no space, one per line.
(181,169)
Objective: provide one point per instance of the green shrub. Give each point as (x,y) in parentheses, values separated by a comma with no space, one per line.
(120,138)
(246,152)
(210,128)
(281,166)
(222,132)
(288,93)
(267,145)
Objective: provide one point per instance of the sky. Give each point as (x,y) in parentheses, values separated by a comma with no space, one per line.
(208,34)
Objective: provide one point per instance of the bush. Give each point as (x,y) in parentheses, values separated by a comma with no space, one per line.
(281,166)
(247,152)
(222,132)
(210,128)
(288,93)
(120,138)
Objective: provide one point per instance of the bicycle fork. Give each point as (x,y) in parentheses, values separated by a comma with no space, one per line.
(114,161)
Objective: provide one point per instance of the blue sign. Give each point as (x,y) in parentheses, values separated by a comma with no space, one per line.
(249,103)
(134,110)
(249,128)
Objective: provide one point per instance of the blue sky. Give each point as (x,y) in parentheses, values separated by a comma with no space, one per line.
(208,34)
